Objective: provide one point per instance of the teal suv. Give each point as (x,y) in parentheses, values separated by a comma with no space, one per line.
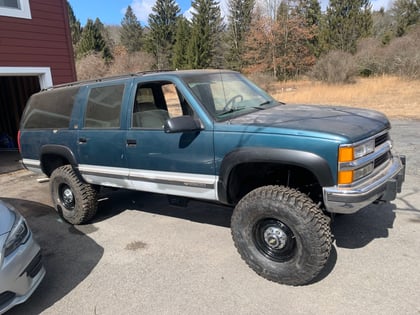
(214,135)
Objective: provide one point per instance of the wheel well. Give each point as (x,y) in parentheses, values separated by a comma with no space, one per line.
(49,162)
(249,176)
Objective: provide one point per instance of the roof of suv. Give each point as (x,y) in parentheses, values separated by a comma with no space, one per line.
(180,73)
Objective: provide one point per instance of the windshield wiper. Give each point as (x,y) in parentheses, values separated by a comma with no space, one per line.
(264,103)
(231,110)
(261,106)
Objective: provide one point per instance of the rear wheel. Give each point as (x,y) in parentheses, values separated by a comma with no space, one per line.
(74,200)
(281,234)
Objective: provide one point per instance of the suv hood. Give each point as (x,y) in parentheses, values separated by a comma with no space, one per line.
(352,123)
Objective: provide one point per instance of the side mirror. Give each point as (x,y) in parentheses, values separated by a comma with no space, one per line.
(182,124)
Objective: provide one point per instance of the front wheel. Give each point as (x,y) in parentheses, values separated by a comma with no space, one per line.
(75,200)
(281,234)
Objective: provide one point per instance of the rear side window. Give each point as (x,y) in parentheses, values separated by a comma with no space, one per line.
(103,109)
(49,109)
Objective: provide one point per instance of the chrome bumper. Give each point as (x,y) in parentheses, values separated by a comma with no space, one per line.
(384,186)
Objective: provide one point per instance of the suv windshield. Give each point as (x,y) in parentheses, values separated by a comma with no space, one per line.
(228,94)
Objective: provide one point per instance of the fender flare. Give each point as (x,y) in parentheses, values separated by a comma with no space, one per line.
(60,150)
(316,164)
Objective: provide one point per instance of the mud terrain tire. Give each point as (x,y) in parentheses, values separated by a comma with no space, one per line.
(281,234)
(74,199)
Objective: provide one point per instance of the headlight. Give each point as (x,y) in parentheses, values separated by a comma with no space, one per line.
(17,236)
(349,176)
(351,153)
(364,149)
(347,154)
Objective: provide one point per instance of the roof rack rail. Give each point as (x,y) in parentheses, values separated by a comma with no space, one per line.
(153,71)
(90,81)
(75,83)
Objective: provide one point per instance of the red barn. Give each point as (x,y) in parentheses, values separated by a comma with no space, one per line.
(35,52)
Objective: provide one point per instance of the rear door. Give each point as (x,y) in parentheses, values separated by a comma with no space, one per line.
(101,138)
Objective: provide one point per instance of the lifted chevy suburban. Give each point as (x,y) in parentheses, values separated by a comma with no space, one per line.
(214,135)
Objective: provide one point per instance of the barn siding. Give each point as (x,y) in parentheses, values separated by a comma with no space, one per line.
(43,41)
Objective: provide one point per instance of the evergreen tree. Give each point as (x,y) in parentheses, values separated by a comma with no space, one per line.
(180,48)
(405,13)
(162,24)
(239,19)
(345,23)
(206,35)
(75,27)
(92,41)
(104,33)
(131,31)
(310,11)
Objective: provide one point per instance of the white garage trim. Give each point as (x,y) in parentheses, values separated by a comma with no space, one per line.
(43,73)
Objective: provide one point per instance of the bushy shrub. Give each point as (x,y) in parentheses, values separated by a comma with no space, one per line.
(335,67)
(369,57)
(131,63)
(93,65)
(402,56)
(264,80)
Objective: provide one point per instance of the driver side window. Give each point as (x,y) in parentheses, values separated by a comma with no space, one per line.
(157,102)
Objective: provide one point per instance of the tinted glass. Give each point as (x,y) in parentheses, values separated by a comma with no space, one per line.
(50,109)
(104,107)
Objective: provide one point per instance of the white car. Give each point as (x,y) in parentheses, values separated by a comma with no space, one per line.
(21,268)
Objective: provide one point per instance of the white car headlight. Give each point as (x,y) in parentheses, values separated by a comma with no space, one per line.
(18,235)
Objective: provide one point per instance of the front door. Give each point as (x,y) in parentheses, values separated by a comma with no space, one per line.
(175,164)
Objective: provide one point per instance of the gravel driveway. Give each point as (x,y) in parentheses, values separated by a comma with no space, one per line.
(143,256)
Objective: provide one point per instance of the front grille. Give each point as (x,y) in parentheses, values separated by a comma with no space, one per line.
(6,297)
(382,159)
(381,139)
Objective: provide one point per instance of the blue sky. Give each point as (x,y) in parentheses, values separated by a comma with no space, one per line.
(112,12)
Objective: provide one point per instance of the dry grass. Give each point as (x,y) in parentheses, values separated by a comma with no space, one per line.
(395,97)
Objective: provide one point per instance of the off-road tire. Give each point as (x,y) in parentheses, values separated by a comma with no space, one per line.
(281,234)
(75,200)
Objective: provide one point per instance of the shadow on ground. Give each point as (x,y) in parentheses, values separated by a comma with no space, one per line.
(114,202)
(69,256)
(359,229)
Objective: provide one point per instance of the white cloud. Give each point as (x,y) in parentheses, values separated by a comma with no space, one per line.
(223,10)
(142,9)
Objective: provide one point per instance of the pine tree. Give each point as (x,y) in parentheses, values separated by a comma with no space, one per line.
(405,13)
(310,10)
(162,24)
(105,34)
(180,48)
(92,41)
(345,23)
(131,31)
(75,27)
(239,19)
(206,35)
